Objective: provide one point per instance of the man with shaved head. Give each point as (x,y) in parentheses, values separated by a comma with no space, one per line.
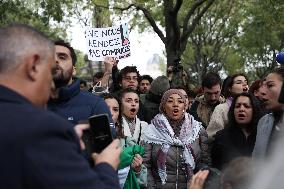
(39,149)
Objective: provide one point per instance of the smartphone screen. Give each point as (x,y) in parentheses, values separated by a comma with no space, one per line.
(100,133)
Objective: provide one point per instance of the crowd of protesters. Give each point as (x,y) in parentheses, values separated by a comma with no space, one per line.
(165,135)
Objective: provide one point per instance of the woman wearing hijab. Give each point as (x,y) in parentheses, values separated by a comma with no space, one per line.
(175,144)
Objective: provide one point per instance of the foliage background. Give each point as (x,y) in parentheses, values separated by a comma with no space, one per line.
(229,36)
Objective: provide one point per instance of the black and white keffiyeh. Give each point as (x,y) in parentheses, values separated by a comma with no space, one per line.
(160,132)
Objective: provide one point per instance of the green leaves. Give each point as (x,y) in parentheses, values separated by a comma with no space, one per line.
(32,13)
(263,35)
(231,36)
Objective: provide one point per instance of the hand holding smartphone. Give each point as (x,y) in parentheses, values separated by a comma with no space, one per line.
(99,136)
(109,155)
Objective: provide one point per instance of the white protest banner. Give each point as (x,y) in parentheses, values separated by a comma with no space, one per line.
(111,42)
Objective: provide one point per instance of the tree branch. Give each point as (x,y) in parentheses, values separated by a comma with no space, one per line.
(189,29)
(81,20)
(171,26)
(190,13)
(177,6)
(146,13)
(152,22)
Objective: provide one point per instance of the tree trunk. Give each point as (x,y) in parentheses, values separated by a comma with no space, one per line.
(172,56)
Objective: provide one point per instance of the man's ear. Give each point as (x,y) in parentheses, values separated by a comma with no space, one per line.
(32,66)
(74,71)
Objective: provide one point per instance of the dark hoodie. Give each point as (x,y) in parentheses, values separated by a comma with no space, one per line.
(77,106)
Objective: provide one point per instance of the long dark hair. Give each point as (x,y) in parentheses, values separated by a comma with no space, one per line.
(118,124)
(228,83)
(256,112)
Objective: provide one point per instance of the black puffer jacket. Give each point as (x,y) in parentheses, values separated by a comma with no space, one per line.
(229,144)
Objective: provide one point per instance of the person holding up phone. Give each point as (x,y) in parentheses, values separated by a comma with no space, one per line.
(38,148)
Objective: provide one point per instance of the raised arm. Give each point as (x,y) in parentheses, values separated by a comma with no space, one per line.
(109,63)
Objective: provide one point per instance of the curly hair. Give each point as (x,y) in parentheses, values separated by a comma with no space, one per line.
(255,86)
(126,70)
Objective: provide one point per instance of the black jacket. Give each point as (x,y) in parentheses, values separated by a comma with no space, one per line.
(41,150)
(75,105)
(229,144)
(151,104)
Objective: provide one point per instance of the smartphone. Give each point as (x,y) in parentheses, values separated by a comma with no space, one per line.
(99,135)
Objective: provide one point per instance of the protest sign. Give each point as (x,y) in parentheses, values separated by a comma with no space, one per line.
(108,42)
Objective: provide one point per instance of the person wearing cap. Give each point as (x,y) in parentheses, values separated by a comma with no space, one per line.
(175,144)
(151,101)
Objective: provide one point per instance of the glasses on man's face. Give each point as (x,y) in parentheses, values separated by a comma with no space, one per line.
(128,78)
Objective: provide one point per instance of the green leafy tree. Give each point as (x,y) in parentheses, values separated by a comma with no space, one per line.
(32,13)
(211,45)
(93,13)
(173,21)
(263,36)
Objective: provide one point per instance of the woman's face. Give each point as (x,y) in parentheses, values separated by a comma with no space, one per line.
(130,105)
(240,84)
(174,107)
(272,87)
(113,107)
(243,110)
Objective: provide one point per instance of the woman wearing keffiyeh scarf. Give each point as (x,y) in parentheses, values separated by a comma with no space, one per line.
(175,144)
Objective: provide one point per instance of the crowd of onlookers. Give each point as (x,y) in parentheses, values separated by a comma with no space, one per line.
(165,134)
